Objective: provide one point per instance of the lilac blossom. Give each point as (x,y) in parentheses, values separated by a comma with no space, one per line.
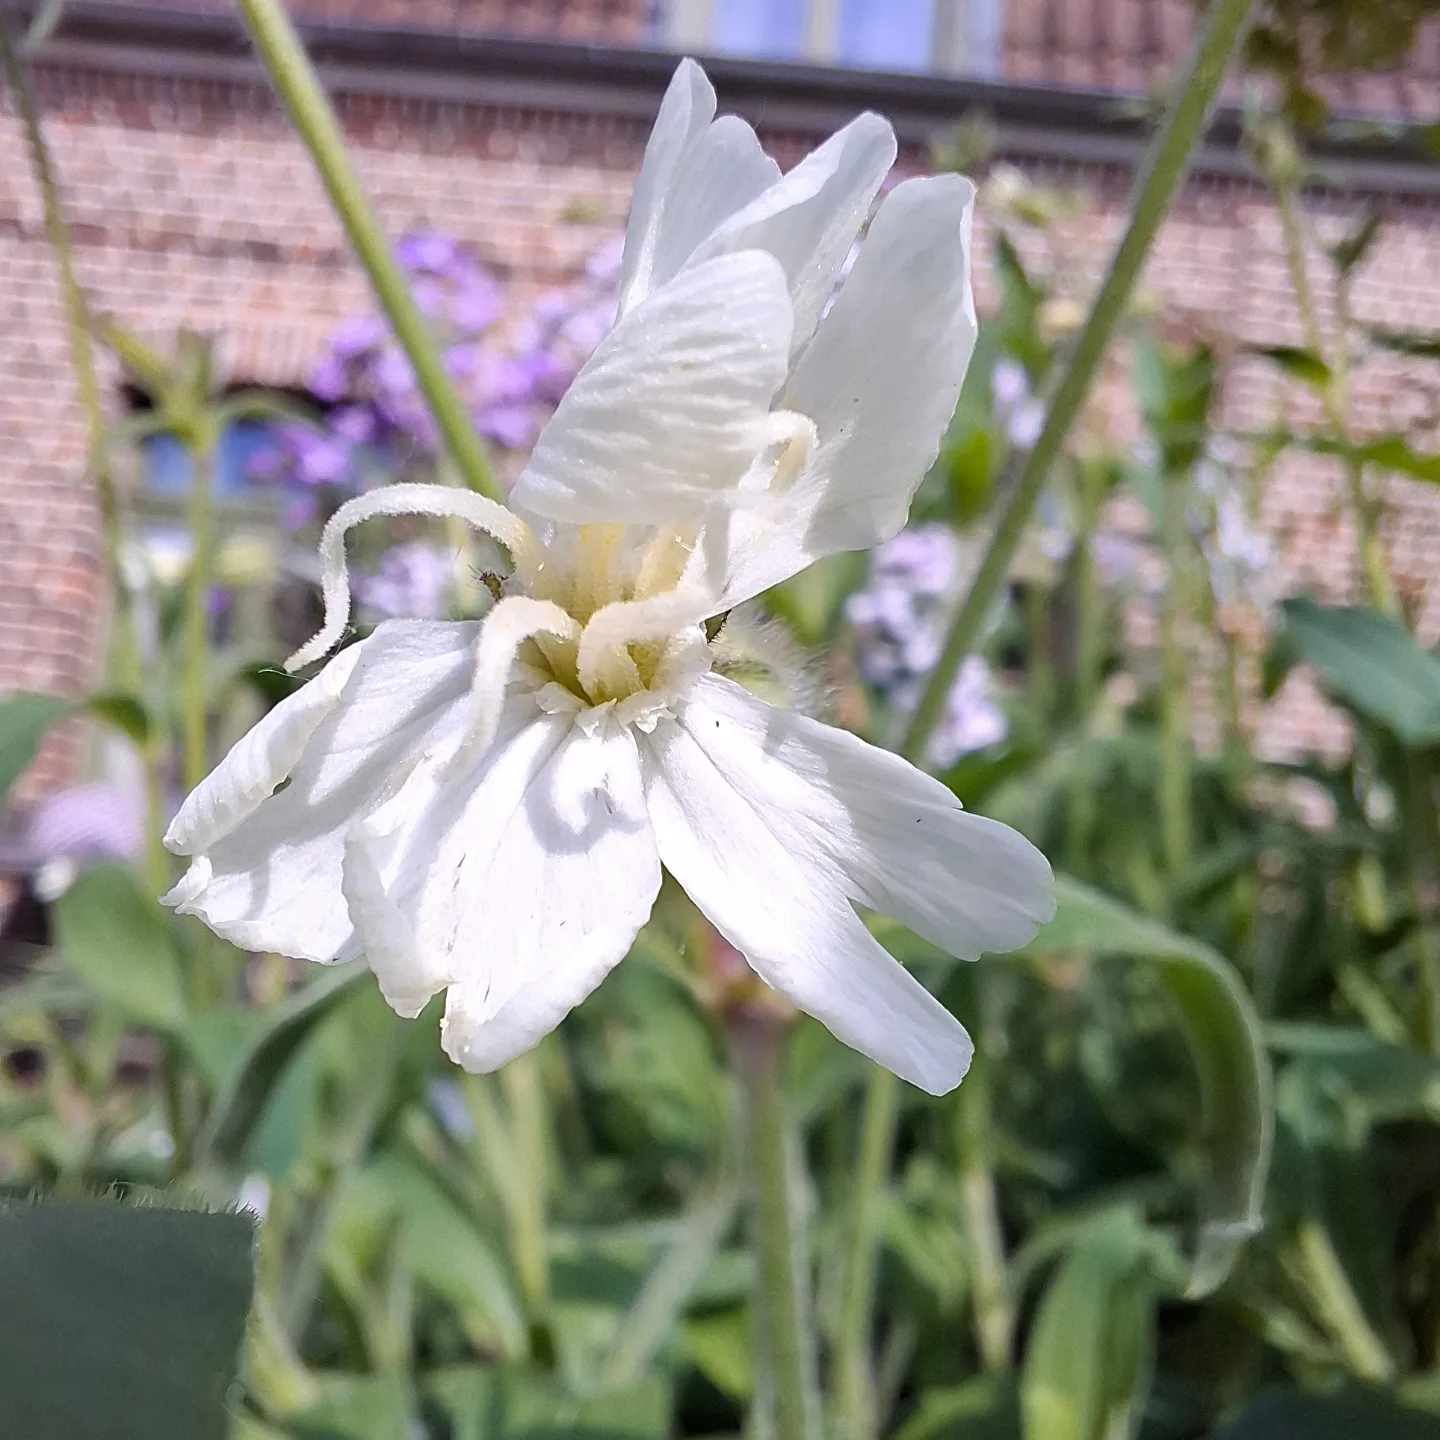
(901,618)
(509,373)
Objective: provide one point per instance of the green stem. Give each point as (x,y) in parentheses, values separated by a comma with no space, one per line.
(294,78)
(1089,661)
(1424,824)
(530,1129)
(784,1351)
(854,1373)
(980,1213)
(1374,567)
(125,654)
(1174,687)
(1165,168)
(195,716)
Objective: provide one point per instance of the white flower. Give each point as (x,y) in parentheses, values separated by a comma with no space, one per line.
(484,808)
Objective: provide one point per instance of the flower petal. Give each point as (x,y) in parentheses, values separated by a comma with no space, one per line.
(809,219)
(524,887)
(673,406)
(783,907)
(685,114)
(896,839)
(881,393)
(274,882)
(242,781)
(722,172)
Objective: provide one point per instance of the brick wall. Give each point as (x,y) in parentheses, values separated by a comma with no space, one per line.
(191,203)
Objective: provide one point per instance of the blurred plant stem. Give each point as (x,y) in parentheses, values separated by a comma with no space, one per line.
(980,1218)
(1165,168)
(1089,660)
(854,1372)
(528,1200)
(1374,567)
(294,78)
(195,702)
(1174,682)
(123,649)
(784,1335)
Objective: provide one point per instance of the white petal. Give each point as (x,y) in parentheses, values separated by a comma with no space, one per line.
(524,887)
(895,838)
(673,406)
(782,906)
(275,881)
(685,114)
(722,172)
(258,762)
(880,379)
(810,218)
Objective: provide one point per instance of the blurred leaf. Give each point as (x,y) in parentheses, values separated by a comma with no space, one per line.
(1408,342)
(1236,1127)
(1389,452)
(1369,661)
(504,1403)
(444,1248)
(241,1103)
(123,713)
(669,1286)
(1176,389)
(812,602)
(369,1407)
(118,941)
(987,1408)
(147,366)
(1384,1081)
(120,1322)
(24,719)
(1356,1416)
(1087,1366)
(1352,249)
(1299,364)
(719,1345)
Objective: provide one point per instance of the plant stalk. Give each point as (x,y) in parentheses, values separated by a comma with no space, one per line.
(1174,687)
(1374,567)
(1165,168)
(980,1214)
(783,1335)
(295,80)
(524,1088)
(195,716)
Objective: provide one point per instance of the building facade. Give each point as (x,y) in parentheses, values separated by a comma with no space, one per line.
(518,125)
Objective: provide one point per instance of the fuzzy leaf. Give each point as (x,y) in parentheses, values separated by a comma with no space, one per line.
(24,719)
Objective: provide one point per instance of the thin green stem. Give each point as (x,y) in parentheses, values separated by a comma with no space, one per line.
(124,649)
(1165,168)
(980,1215)
(784,1336)
(294,78)
(854,1373)
(524,1087)
(1174,687)
(1089,661)
(195,701)
(1370,550)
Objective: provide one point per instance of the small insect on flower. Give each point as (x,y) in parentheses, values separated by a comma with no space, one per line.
(484,808)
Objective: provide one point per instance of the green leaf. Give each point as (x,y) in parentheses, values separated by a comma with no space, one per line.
(1408,342)
(117,939)
(1087,1367)
(241,1103)
(120,1322)
(1283,1415)
(987,1408)
(24,719)
(444,1249)
(1369,661)
(719,1345)
(123,713)
(355,1407)
(504,1403)
(1351,249)
(1236,1123)
(1303,365)
(669,1286)
(1376,1079)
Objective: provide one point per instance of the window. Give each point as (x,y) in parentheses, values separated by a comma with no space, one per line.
(960,37)
(167,462)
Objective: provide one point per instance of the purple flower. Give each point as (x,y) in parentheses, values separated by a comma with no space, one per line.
(410,583)
(85,822)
